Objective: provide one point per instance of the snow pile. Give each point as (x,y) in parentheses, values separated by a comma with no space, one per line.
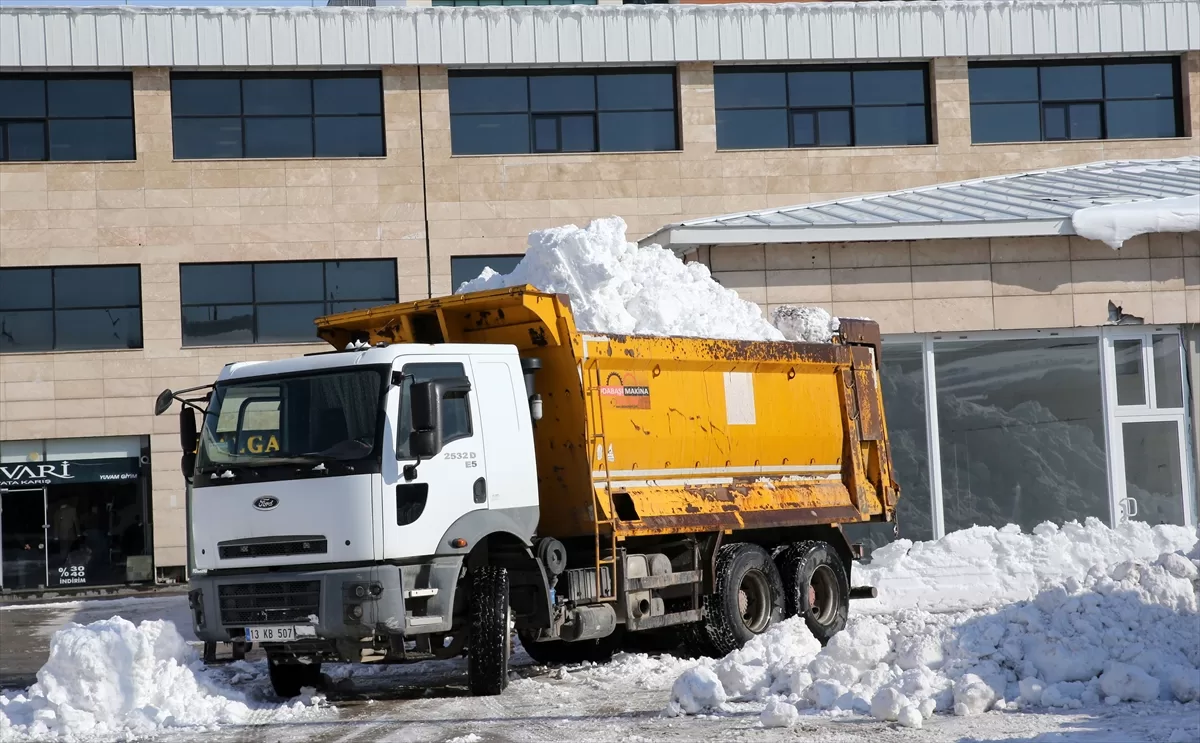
(111,679)
(982,565)
(1113,224)
(617,287)
(807,324)
(1126,633)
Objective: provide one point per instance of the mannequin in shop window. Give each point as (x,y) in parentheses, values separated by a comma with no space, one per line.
(96,533)
(66,527)
(80,554)
(133,540)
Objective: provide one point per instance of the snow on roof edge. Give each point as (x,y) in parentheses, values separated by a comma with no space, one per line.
(714,223)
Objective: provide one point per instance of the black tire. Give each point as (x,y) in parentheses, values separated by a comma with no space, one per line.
(287,679)
(747,599)
(557,652)
(489,641)
(816,586)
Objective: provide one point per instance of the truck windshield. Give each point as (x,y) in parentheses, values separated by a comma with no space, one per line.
(328,416)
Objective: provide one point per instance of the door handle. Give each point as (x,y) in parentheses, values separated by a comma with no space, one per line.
(480,490)
(1130,506)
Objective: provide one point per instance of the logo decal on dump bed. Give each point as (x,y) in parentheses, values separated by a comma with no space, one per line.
(266,503)
(626,393)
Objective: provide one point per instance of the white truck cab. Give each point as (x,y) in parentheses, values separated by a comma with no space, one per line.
(324,529)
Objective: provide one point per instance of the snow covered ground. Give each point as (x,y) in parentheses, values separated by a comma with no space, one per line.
(1108,650)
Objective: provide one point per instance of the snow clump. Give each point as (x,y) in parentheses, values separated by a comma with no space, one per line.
(619,288)
(1113,224)
(114,680)
(1123,631)
(806,324)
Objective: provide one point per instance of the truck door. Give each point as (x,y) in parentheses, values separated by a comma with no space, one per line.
(416,513)
(508,436)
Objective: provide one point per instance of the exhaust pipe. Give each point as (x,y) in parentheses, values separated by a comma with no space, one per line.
(863,592)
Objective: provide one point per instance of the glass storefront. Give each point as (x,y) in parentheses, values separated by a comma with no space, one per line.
(1041,426)
(1021,428)
(78,521)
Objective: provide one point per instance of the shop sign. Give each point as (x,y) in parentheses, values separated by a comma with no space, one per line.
(64,471)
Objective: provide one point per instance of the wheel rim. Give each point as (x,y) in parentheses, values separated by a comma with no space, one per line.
(754,602)
(822,595)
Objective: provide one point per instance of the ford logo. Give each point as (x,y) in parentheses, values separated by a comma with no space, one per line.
(266,503)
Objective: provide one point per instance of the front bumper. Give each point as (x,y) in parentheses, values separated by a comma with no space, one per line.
(341,604)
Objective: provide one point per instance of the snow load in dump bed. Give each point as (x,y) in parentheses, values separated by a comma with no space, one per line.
(520,316)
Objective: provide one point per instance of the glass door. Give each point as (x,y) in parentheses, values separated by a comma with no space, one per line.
(23,539)
(1147,426)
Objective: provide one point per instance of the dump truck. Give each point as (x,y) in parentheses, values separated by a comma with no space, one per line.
(460,470)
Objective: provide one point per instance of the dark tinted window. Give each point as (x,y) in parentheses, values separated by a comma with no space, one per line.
(59,117)
(467,267)
(276,302)
(761,108)
(456,409)
(70,309)
(1077,100)
(277,116)
(608,111)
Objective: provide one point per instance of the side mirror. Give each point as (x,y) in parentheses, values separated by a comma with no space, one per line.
(163,403)
(188,436)
(425,441)
(187,464)
(426,410)
(425,444)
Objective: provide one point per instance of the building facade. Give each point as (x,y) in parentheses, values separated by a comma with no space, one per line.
(1029,374)
(182,188)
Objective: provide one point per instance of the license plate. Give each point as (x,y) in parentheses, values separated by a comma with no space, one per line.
(279,633)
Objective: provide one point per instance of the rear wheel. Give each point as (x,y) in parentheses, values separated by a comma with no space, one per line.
(287,679)
(747,599)
(816,586)
(489,642)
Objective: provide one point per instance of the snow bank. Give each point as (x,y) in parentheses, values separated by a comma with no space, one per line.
(617,287)
(983,565)
(113,680)
(1113,224)
(1123,633)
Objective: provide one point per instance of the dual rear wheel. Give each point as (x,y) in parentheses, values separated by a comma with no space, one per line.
(754,590)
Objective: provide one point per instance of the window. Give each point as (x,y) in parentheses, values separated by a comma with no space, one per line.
(329,416)
(1079,100)
(779,107)
(244,303)
(1021,427)
(292,115)
(456,409)
(467,267)
(66,117)
(70,309)
(570,111)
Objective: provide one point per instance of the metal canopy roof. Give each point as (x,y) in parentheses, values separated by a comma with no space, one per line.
(1035,203)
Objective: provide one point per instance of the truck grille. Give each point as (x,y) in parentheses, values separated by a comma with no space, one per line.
(268,603)
(280,547)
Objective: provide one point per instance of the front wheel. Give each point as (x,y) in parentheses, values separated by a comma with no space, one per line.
(489,641)
(287,679)
(817,588)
